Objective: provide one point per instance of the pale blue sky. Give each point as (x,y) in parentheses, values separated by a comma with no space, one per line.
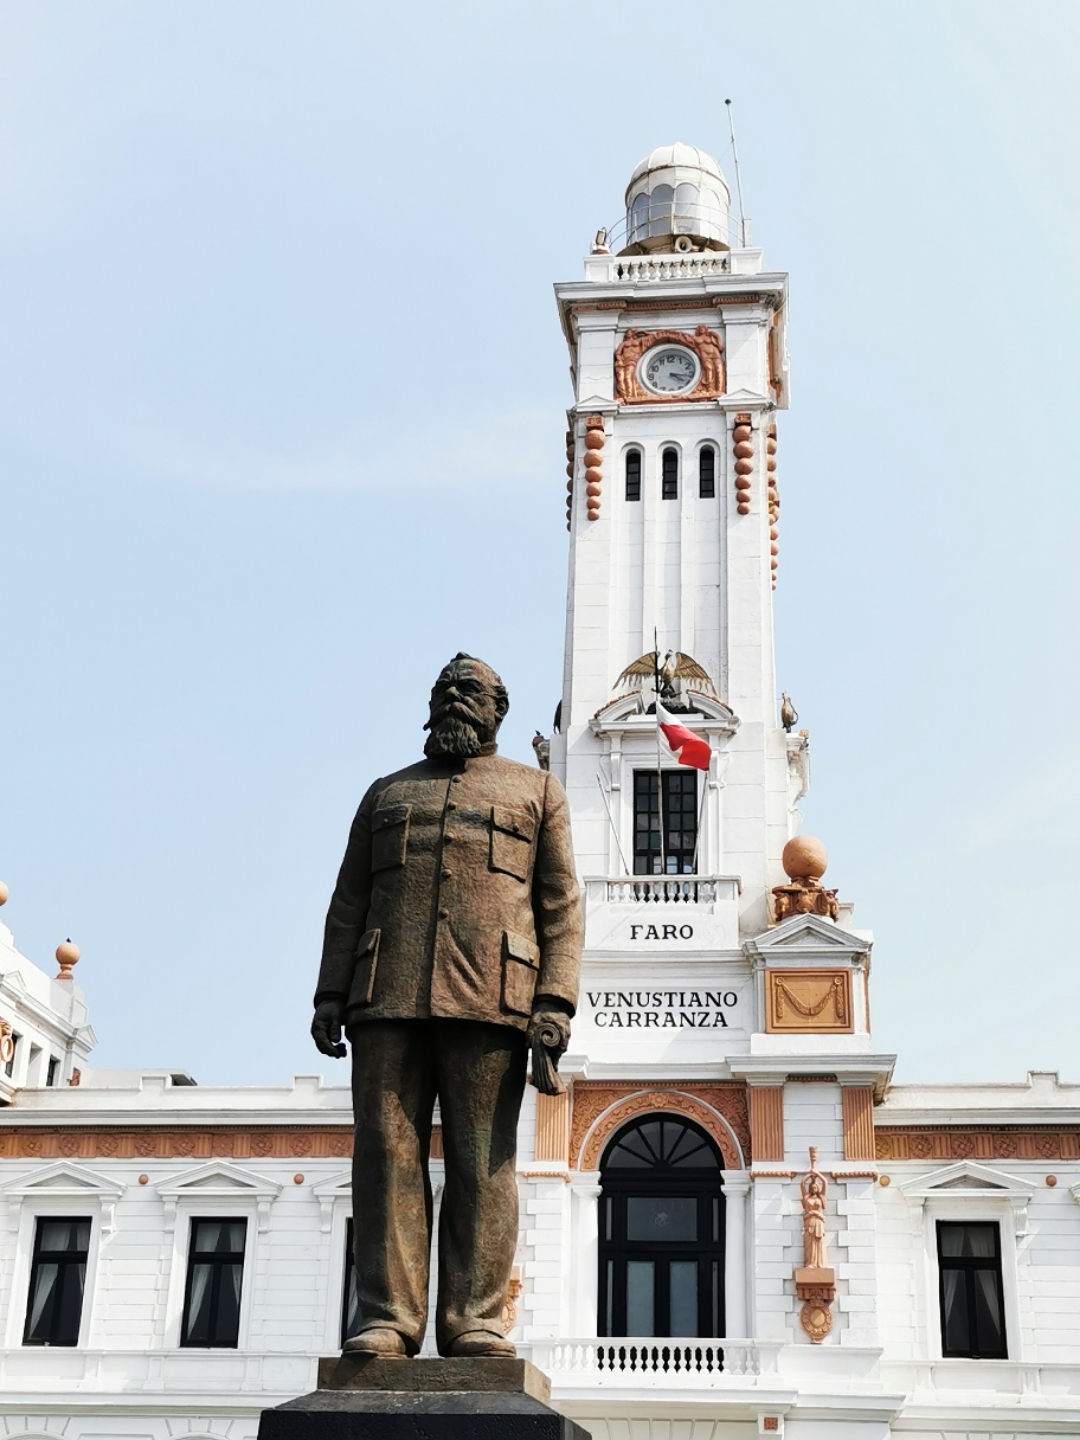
(281,395)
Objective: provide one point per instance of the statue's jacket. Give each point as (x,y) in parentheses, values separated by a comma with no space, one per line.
(457,897)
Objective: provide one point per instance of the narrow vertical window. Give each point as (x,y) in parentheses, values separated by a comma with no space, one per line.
(9,1066)
(669,475)
(972,1301)
(57,1281)
(54,1065)
(633,475)
(215,1274)
(707,473)
(350,1299)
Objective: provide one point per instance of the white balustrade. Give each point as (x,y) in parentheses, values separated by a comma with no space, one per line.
(672,889)
(680,1364)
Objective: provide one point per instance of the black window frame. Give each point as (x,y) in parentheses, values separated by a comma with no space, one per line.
(707,472)
(676,788)
(620,1185)
(669,473)
(966,1266)
(68,1262)
(9,1065)
(632,465)
(348,1289)
(217,1260)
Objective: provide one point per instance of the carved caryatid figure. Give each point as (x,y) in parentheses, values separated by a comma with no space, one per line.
(813,1188)
(633,346)
(710,353)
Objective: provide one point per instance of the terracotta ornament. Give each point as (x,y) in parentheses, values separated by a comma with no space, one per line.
(706,345)
(804,860)
(742,441)
(815,1283)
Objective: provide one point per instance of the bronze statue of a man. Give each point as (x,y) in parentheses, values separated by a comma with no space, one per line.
(453,938)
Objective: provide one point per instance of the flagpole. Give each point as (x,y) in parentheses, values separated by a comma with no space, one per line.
(659,775)
(701,816)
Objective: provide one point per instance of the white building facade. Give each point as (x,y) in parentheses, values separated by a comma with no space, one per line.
(173,1257)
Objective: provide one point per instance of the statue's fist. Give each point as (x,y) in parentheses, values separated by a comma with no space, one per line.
(326,1027)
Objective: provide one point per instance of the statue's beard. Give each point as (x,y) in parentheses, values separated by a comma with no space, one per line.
(452,737)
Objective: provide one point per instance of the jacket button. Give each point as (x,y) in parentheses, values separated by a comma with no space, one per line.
(450,805)
(455,779)
(444,914)
(446,839)
(446,875)
(515,829)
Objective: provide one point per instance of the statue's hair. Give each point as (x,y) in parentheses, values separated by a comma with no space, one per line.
(502,700)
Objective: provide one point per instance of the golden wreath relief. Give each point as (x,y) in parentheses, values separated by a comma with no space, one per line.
(706,345)
(808,1002)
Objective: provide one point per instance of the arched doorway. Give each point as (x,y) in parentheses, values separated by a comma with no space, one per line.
(661,1231)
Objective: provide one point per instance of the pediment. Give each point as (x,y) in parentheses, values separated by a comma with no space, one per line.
(627,714)
(808,935)
(336,1187)
(219,1180)
(64,1180)
(968,1179)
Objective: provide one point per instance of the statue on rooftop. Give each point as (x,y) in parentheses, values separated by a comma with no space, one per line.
(453,943)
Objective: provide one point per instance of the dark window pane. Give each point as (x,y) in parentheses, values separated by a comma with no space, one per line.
(683,1297)
(57,1282)
(668,848)
(707,473)
(669,483)
(972,1310)
(640,1297)
(663,1219)
(350,1302)
(633,475)
(215,1277)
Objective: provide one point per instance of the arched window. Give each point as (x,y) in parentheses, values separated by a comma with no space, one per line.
(669,475)
(633,475)
(661,1231)
(707,473)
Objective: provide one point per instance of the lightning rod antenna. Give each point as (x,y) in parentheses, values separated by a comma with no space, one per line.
(738,177)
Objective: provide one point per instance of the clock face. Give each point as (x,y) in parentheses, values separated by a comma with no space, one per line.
(670,370)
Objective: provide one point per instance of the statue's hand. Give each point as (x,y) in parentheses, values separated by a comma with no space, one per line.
(326,1028)
(544,1020)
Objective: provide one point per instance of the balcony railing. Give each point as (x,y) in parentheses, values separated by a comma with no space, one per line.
(682,1364)
(672,889)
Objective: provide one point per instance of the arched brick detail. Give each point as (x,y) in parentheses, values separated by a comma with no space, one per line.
(592,1132)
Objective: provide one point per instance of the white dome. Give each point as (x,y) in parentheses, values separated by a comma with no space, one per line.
(677,198)
(665,157)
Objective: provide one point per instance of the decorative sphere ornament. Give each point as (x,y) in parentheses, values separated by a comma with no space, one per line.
(67,955)
(804,858)
(3,893)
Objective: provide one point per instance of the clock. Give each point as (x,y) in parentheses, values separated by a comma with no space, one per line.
(669,370)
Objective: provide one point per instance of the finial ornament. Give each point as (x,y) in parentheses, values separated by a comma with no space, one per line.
(67,956)
(815,1283)
(805,860)
(3,893)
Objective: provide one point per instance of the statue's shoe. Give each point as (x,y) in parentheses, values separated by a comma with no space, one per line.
(480,1342)
(376,1341)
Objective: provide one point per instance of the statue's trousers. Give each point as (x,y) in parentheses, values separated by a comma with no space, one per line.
(477,1072)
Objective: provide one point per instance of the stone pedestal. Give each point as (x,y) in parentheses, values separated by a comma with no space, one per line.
(369,1398)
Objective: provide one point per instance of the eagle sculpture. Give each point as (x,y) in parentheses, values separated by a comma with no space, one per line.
(674,666)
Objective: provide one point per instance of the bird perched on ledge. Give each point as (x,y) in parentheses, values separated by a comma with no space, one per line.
(788,714)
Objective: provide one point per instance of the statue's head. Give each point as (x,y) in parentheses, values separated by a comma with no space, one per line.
(468,702)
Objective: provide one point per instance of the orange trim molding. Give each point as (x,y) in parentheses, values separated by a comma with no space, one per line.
(767,1122)
(858,1113)
(599,1109)
(977,1142)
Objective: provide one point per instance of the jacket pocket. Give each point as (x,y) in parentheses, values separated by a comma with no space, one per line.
(512,835)
(520,964)
(389,836)
(367,957)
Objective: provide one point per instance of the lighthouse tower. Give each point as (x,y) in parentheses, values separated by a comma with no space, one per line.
(679,367)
